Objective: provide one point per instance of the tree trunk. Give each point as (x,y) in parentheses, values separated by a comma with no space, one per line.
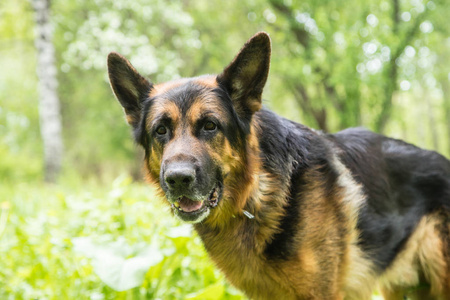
(49,108)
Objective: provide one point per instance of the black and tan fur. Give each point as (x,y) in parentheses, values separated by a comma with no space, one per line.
(336,216)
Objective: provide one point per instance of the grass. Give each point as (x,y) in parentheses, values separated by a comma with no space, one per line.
(93,243)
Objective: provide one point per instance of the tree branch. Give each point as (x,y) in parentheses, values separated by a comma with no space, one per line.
(303,99)
(301,35)
(392,71)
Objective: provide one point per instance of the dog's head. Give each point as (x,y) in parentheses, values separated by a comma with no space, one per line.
(197,132)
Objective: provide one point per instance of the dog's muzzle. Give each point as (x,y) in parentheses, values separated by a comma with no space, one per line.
(191,196)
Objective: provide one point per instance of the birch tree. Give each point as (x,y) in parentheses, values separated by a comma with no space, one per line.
(49,107)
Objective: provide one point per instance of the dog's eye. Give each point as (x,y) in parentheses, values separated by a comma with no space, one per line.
(161,130)
(209,126)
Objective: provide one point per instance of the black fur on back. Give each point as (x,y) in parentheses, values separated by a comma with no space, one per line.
(402,182)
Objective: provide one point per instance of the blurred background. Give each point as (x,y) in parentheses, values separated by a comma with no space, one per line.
(76,219)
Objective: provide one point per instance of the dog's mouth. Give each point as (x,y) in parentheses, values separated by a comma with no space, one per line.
(195,211)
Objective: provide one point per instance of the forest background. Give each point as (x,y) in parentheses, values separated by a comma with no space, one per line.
(90,228)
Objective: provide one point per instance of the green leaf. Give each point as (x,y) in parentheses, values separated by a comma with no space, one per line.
(123,274)
(212,292)
(111,264)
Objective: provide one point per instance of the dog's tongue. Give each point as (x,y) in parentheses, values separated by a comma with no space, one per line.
(188,205)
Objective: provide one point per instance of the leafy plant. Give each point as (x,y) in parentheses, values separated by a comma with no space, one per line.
(118,243)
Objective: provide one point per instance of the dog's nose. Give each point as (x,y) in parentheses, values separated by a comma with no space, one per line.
(179,176)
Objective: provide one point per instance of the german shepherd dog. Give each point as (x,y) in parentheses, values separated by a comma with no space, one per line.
(287,212)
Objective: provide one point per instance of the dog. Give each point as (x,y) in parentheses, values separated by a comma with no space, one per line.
(284,211)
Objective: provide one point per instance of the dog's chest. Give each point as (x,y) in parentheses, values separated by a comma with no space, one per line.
(242,261)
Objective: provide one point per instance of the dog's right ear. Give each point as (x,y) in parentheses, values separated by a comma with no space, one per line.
(244,78)
(128,85)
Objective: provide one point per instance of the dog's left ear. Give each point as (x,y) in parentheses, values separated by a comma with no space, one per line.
(128,85)
(244,78)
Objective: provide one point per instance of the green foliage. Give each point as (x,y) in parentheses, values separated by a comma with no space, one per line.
(354,58)
(91,244)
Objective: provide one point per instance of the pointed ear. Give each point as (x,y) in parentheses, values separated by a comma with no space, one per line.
(246,75)
(128,85)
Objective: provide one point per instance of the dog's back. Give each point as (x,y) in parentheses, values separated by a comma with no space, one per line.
(404,222)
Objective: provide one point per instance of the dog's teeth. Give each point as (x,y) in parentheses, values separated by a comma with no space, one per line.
(214,196)
(176,205)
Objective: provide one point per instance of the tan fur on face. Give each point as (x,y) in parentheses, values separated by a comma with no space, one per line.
(154,160)
(161,88)
(163,107)
(207,81)
(206,103)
